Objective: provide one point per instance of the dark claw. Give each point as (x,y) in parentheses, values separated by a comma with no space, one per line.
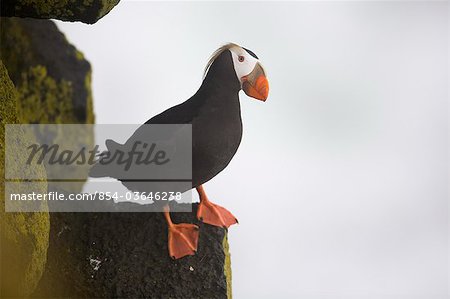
(236,220)
(173,257)
(201,219)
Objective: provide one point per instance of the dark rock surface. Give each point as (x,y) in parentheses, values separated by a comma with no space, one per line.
(125,255)
(87,11)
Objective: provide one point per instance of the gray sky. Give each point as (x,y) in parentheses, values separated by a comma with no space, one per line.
(341,181)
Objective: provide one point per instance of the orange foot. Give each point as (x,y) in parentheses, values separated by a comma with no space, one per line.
(183,238)
(213,214)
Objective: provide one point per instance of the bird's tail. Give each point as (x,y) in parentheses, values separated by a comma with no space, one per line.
(103,170)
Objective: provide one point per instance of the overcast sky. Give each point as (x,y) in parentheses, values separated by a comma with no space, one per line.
(341,182)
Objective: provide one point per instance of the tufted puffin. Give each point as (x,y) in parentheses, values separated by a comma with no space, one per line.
(215,115)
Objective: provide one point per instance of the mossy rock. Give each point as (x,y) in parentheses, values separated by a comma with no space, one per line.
(53,83)
(227,266)
(35,52)
(24,236)
(86,11)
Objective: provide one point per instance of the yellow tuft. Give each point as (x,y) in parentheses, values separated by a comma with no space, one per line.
(216,54)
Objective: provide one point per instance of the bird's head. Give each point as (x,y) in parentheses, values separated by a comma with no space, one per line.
(249,72)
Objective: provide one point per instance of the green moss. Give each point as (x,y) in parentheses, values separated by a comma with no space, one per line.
(90,117)
(59,7)
(17,57)
(107,5)
(8,100)
(24,236)
(87,11)
(79,55)
(227,266)
(43,100)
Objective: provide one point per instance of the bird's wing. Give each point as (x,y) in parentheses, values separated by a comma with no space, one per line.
(183,113)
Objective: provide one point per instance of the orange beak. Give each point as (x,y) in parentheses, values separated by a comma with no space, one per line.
(255,84)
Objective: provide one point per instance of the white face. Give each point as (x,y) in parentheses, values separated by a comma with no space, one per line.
(243,62)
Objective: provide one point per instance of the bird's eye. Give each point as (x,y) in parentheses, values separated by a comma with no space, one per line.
(241,58)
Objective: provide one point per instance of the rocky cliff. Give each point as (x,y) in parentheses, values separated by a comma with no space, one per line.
(23,236)
(45,79)
(87,11)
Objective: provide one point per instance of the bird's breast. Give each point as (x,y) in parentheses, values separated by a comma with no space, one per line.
(215,139)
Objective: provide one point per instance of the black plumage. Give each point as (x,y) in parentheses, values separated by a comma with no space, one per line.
(215,115)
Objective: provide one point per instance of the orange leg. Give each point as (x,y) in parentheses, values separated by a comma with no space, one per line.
(213,214)
(183,237)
